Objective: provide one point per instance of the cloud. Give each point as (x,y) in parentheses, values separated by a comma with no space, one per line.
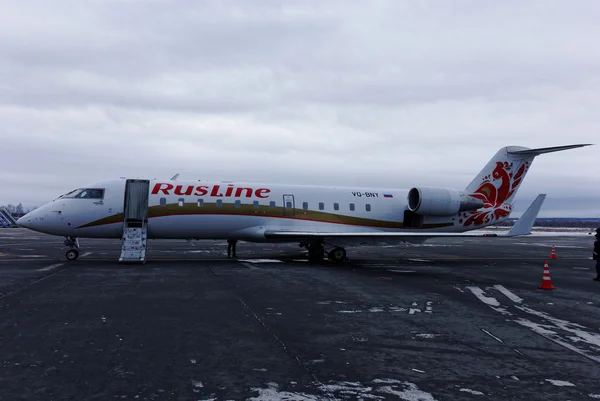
(389,93)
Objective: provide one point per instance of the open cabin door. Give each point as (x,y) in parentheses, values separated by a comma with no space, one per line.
(135,221)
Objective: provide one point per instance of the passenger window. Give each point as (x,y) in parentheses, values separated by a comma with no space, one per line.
(305,205)
(200,202)
(219,203)
(163,201)
(255,204)
(352,207)
(238,204)
(181,201)
(368,207)
(272,204)
(336,206)
(321,206)
(91,193)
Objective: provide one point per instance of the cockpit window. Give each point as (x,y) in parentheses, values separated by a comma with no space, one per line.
(84,193)
(70,194)
(91,193)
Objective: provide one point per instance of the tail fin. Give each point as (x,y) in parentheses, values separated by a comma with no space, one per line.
(498,182)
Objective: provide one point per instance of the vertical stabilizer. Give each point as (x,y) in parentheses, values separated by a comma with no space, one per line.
(500,179)
(497,184)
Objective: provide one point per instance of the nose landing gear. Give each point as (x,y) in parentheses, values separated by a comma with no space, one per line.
(73,253)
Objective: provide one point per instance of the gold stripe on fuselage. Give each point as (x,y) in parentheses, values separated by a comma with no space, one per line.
(230,209)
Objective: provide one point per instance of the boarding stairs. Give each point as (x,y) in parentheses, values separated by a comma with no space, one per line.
(135,222)
(133,248)
(6,219)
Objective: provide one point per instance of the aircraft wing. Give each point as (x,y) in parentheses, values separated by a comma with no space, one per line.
(523,226)
(292,235)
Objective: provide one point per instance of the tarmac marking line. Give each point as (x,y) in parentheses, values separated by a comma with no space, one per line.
(478,292)
(493,336)
(510,295)
(86,254)
(54,266)
(20,288)
(540,331)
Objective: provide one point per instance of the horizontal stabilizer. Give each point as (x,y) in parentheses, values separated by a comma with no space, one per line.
(539,151)
(525,223)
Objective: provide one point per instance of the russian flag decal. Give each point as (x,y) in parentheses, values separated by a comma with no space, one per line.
(387,196)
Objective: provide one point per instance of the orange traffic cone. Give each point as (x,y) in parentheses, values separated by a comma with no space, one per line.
(546,279)
(553,254)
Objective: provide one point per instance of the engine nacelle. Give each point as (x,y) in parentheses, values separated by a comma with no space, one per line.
(435,201)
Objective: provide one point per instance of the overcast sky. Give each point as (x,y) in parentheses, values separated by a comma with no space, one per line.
(378,93)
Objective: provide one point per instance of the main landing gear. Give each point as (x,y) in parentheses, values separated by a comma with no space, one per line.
(316,253)
(337,254)
(72,253)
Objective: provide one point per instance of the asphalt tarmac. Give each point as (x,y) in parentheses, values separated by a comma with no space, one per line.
(449,320)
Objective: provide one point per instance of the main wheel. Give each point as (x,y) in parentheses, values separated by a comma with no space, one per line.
(72,254)
(337,254)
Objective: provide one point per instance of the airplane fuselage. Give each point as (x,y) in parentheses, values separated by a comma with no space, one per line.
(220,210)
(313,216)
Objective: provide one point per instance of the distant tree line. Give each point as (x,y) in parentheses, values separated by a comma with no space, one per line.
(16,210)
(590,223)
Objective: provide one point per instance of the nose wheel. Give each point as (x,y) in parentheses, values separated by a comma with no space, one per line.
(72,253)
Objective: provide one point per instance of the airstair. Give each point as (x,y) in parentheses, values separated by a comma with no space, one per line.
(6,219)
(135,222)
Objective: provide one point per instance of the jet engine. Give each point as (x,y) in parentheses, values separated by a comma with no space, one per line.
(436,201)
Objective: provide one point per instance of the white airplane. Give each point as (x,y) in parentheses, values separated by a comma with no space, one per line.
(321,219)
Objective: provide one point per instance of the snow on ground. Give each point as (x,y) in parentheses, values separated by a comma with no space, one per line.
(468,390)
(337,391)
(560,383)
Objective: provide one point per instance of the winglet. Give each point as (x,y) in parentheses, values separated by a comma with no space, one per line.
(174,178)
(524,225)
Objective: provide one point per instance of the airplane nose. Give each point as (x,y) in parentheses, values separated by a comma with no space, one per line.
(24,221)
